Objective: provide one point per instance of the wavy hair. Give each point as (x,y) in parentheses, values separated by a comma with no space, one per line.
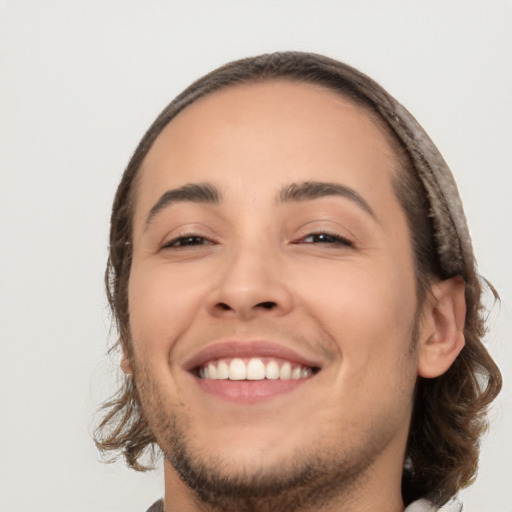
(449,414)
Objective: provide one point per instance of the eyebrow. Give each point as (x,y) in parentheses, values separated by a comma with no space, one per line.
(295,192)
(309,190)
(192,192)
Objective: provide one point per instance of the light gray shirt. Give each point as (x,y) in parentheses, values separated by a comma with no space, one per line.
(422,505)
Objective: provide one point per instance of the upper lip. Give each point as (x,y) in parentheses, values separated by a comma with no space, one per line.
(243,349)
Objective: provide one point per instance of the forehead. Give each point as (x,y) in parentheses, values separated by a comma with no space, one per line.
(273,132)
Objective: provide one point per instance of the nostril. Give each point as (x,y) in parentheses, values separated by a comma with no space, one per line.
(267,305)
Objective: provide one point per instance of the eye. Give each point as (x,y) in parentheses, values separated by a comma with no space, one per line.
(186,241)
(325,238)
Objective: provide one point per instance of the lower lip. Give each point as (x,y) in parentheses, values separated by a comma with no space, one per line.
(250,391)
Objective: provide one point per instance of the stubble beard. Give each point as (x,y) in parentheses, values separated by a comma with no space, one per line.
(314,478)
(309,482)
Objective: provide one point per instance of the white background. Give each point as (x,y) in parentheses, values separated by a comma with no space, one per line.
(80,81)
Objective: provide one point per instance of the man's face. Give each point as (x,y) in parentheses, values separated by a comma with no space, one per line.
(253,269)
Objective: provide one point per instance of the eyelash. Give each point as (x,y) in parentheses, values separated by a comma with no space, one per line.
(197,240)
(331,239)
(177,243)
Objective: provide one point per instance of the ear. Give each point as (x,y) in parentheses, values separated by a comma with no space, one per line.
(442,334)
(126,365)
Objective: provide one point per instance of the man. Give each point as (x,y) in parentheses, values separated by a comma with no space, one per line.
(297,299)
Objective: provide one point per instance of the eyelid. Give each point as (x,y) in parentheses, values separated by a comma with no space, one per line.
(328,227)
(192,232)
(338,238)
(170,244)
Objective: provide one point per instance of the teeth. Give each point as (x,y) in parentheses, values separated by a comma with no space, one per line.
(254,369)
(222,370)
(305,372)
(296,373)
(237,370)
(285,372)
(212,370)
(272,370)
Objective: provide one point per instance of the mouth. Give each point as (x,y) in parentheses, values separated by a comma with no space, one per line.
(249,372)
(254,369)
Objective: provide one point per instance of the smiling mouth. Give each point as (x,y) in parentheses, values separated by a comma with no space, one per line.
(254,369)
(247,372)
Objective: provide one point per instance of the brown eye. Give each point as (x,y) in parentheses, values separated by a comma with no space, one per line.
(325,238)
(187,241)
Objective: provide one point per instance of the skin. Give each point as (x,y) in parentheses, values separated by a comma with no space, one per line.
(256,273)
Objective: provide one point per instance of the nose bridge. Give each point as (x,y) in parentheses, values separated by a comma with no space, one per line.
(251,281)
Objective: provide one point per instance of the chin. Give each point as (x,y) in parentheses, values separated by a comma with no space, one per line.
(255,448)
(259,476)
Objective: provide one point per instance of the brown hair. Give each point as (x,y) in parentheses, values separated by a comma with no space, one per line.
(449,414)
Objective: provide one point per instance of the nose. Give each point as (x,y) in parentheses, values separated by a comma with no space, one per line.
(250,284)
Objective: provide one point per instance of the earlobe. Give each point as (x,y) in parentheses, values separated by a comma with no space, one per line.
(126,365)
(443,338)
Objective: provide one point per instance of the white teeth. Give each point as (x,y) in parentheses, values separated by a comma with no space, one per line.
(296,373)
(237,370)
(305,372)
(212,371)
(272,370)
(222,370)
(285,372)
(254,369)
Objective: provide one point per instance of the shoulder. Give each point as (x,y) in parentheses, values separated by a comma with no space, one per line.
(454,505)
(158,506)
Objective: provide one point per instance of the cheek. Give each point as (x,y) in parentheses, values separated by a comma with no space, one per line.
(161,305)
(368,312)
(369,322)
